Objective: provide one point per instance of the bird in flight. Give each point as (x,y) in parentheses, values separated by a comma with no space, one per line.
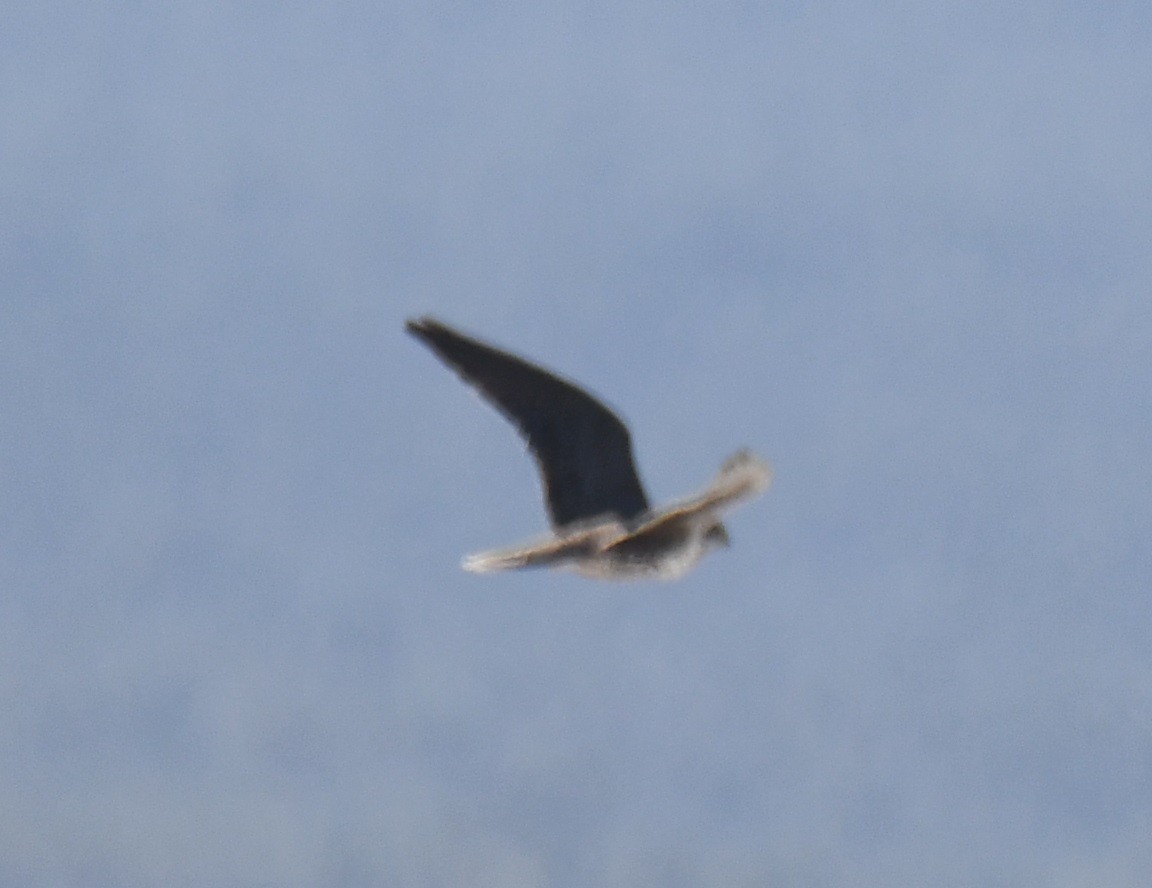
(602,524)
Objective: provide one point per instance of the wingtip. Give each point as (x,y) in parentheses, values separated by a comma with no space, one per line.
(482,563)
(417,326)
(431,330)
(758,471)
(470,564)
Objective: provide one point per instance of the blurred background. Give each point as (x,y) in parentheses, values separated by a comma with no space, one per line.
(901,251)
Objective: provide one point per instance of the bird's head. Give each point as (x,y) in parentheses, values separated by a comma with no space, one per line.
(716,536)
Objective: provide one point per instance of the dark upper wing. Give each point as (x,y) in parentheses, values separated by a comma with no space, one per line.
(584,451)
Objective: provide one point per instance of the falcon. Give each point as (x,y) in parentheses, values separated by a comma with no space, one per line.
(602,524)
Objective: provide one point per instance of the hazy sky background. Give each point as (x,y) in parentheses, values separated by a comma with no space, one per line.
(902,250)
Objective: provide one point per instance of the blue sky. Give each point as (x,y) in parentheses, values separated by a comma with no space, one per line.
(902,252)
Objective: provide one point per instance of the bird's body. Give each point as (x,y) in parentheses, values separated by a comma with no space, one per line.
(603,526)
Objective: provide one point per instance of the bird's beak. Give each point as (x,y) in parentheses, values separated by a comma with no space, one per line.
(718,535)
